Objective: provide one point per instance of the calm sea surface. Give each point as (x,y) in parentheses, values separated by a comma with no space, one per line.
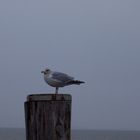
(19,134)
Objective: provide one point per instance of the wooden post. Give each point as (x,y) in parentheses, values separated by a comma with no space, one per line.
(48,117)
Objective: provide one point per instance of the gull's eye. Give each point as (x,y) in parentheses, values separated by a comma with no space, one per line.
(47,70)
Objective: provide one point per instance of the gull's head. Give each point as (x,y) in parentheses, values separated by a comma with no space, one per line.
(46,71)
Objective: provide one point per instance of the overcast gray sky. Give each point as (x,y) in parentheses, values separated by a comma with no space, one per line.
(97,41)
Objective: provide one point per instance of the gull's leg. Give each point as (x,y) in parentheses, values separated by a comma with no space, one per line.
(56,90)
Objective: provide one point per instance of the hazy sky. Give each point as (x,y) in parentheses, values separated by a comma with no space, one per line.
(97,41)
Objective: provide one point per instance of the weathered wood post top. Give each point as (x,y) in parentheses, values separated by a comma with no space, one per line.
(48,117)
(49,97)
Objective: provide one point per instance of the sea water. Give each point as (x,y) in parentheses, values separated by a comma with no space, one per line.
(19,134)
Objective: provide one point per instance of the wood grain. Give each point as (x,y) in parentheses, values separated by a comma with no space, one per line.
(48,117)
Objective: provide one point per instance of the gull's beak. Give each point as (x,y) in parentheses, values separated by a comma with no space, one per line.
(42,71)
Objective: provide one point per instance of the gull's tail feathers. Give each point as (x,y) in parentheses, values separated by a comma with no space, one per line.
(76,82)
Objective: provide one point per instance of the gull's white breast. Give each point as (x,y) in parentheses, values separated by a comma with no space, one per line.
(53,82)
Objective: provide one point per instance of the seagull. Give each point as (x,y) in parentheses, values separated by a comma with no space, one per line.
(58,79)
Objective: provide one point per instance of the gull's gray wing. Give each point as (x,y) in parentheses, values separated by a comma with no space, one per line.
(62,77)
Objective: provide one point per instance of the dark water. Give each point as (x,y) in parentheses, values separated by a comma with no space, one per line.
(12,134)
(19,134)
(105,135)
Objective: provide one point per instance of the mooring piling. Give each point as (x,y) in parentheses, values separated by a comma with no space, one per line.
(48,117)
